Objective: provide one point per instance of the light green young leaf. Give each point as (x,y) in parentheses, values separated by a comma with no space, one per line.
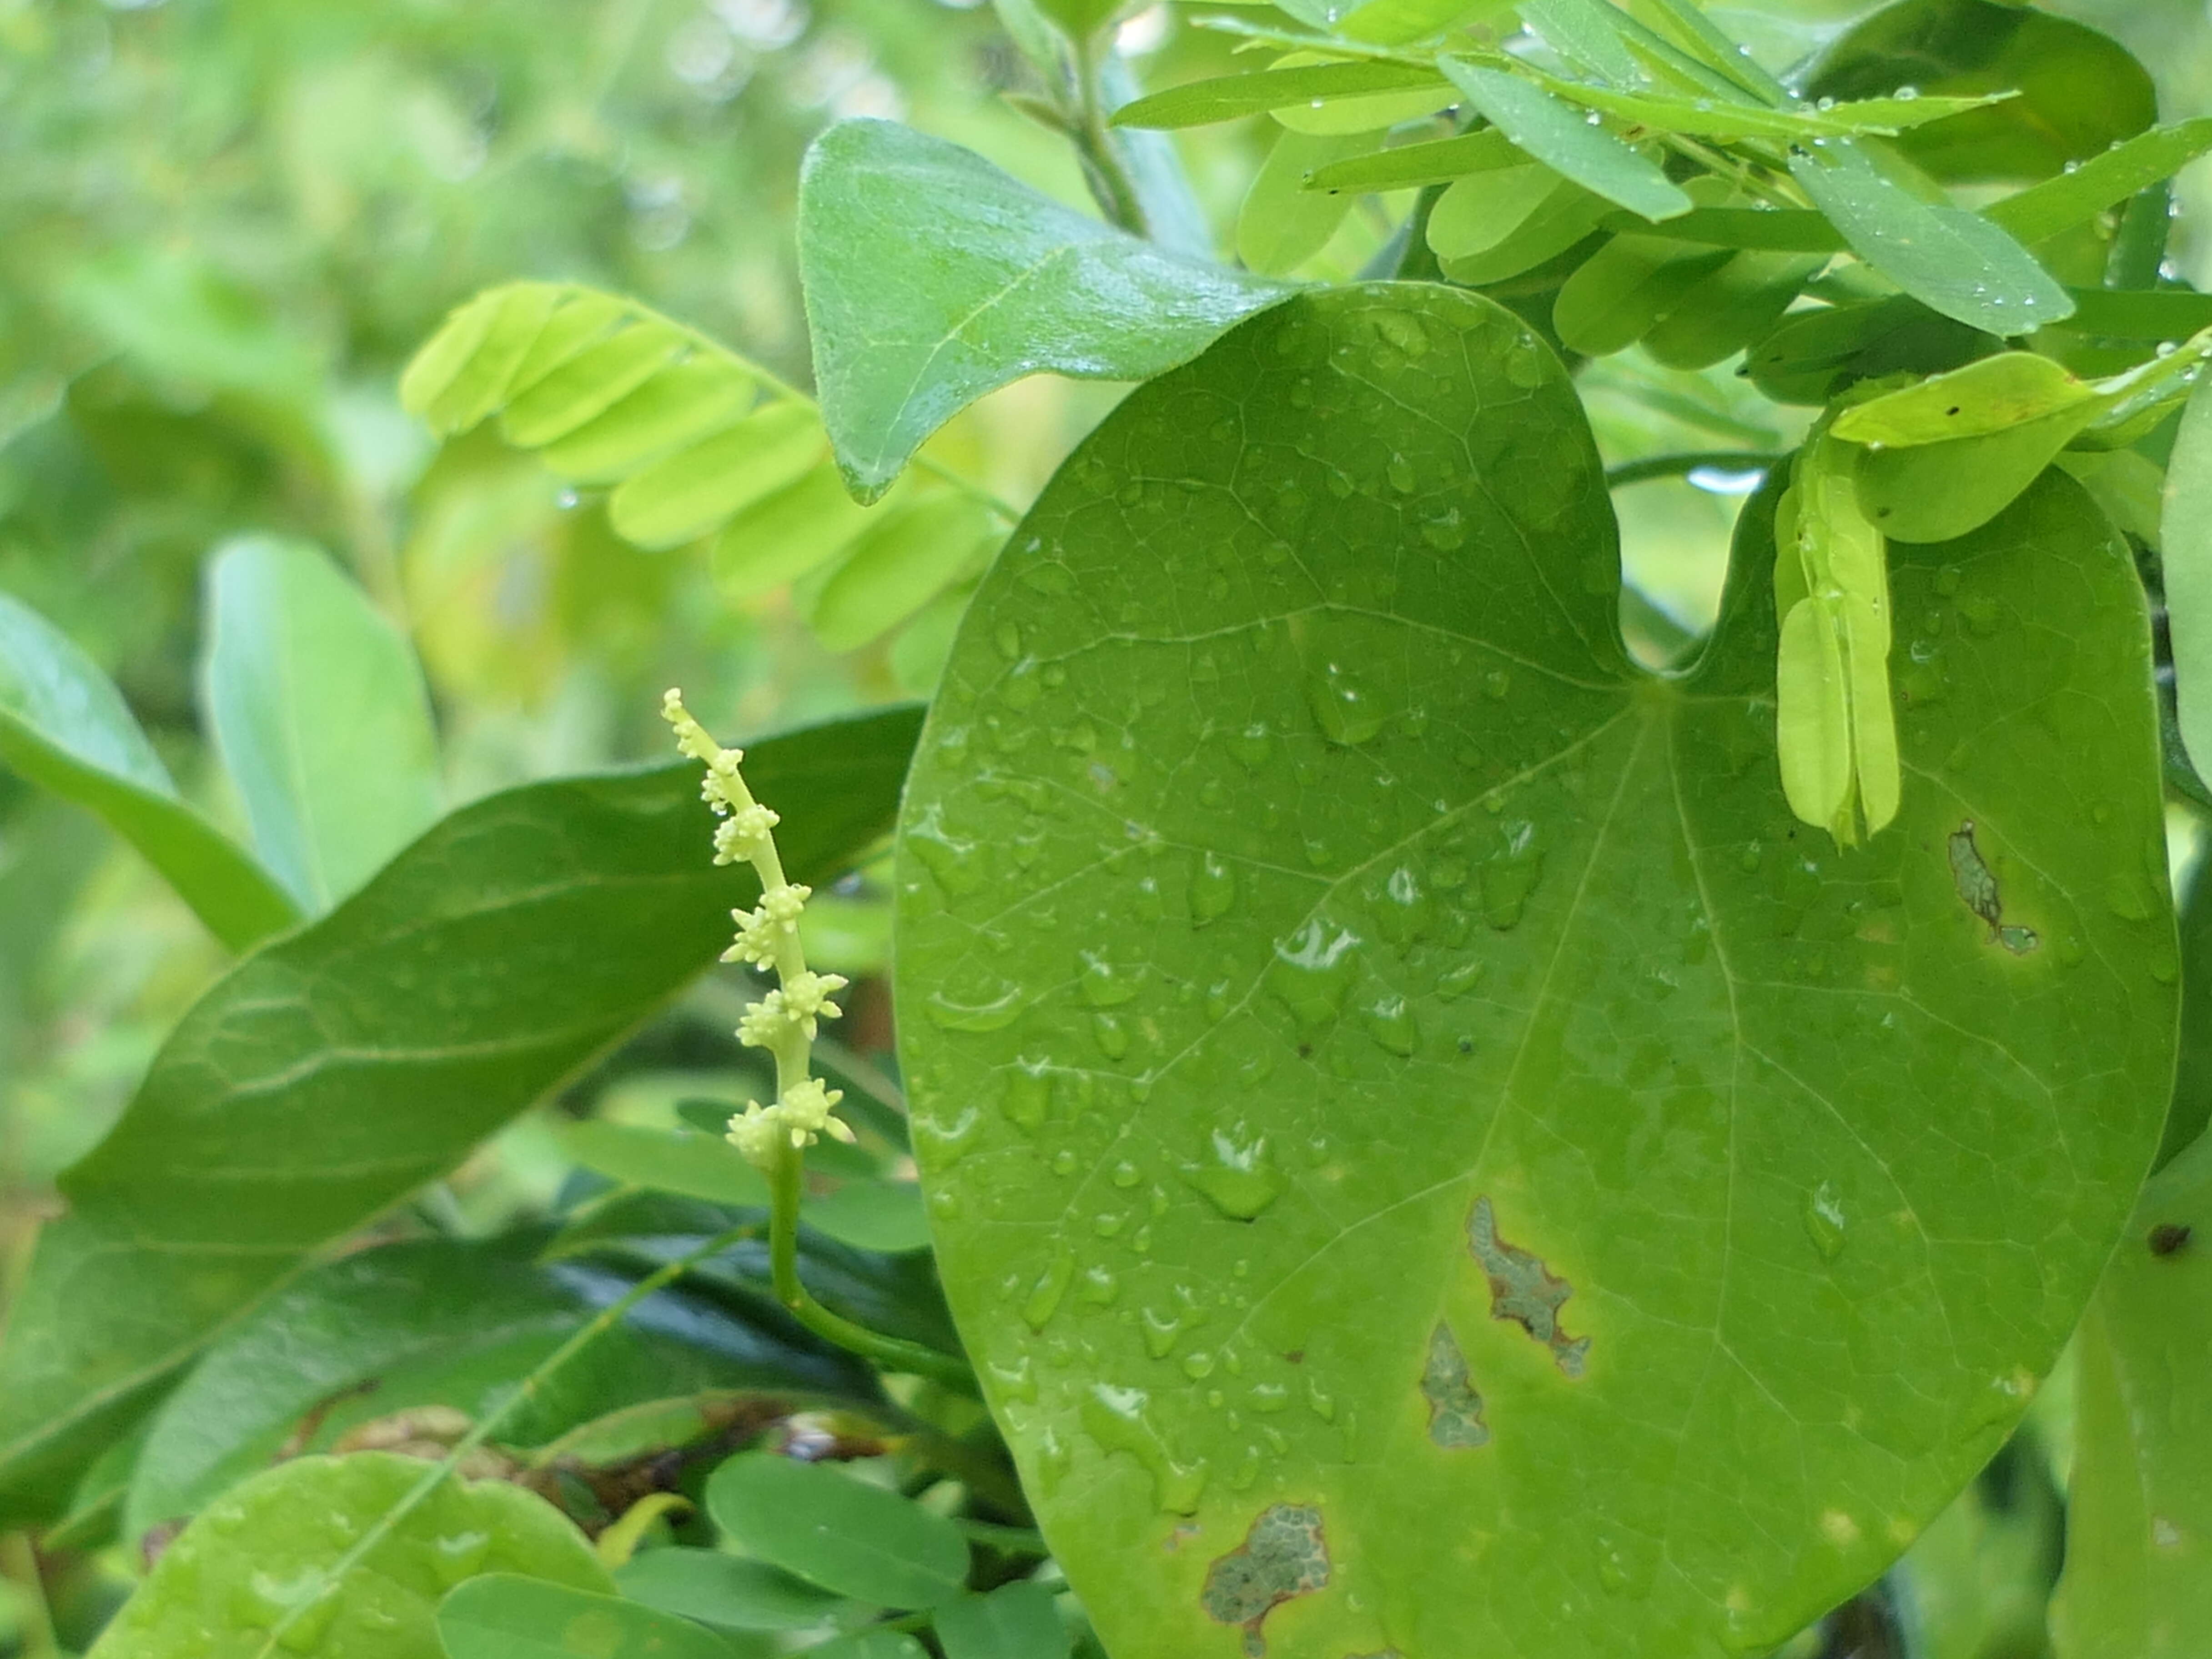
(1282,224)
(728,1590)
(1951,260)
(1566,215)
(1972,402)
(684,496)
(1015,1621)
(1556,135)
(1002,282)
(443,1322)
(1226,97)
(502,1615)
(1476,214)
(2186,534)
(2102,181)
(1373,112)
(1191,1023)
(1934,492)
(64,726)
(898,563)
(1730,123)
(2138,1578)
(1730,309)
(1589,32)
(1617,296)
(1394,23)
(321,714)
(1437,162)
(331,1075)
(260,1556)
(850,1538)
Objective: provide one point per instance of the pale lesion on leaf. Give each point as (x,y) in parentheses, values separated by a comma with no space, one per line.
(1978,890)
(1524,1290)
(1284,1554)
(1455,1404)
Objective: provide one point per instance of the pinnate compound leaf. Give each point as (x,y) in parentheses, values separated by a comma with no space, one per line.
(1555,133)
(933,278)
(841,1535)
(502,1615)
(2138,1578)
(321,714)
(1511,1188)
(1953,261)
(724,1590)
(262,1557)
(442,1321)
(331,1075)
(64,726)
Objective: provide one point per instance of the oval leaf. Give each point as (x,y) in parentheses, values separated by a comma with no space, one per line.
(846,1536)
(504,1615)
(1412,1122)
(723,1589)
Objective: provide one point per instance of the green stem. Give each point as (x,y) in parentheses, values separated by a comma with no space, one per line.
(1109,179)
(1686,462)
(894,1353)
(606,1319)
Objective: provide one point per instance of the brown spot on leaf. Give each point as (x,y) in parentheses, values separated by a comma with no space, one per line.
(1455,1408)
(1524,1290)
(2167,1237)
(1284,1555)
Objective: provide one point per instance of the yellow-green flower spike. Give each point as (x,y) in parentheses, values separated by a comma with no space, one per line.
(785,1020)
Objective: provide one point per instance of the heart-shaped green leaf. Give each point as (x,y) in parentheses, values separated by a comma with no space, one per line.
(1427,1153)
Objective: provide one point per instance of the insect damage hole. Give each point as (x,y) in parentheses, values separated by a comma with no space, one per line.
(1284,1555)
(1977,889)
(1524,1290)
(1455,1406)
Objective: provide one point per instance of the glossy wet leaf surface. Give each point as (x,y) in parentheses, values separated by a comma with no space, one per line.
(2138,1582)
(262,1557)
(1427,1152)
(932,278)
(330,1075)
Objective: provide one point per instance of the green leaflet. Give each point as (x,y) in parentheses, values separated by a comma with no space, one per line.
(1982,397)
(1620,292)
(846,1536)
(1475,214)
(1372,113)
(1814,355)
(332,1073)
(1932,492)
(1732,122)
(2103,180)
(1005,282)
(1015,1621)
(1731,307)
(1565,215)
(509,1616)
(1282,224)
(724,1590)
(260,1558)
(443,1322)
(1224,98)
(1382,1216)
(1553,133)
(321,714)
(1437,163)
(1951,260)
(1835,729)
(2138,1584)
(64,726)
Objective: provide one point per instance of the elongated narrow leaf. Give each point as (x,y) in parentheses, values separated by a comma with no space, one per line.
(1982,397)
(321,715)
(1682,1291)
(1556,135)
(932,278)
(1951,260)
(2139,1580)
(842,1535)
(1796,230)
(329,1075)
(443,1322)
(1409,164)
(510,1616)
(1224,98)
(1705,117)
(64,726)
(261,1559)
(2102,181)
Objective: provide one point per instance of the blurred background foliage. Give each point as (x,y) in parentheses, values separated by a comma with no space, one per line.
(226,224)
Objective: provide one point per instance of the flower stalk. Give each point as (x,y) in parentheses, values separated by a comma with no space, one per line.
(775,1138)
